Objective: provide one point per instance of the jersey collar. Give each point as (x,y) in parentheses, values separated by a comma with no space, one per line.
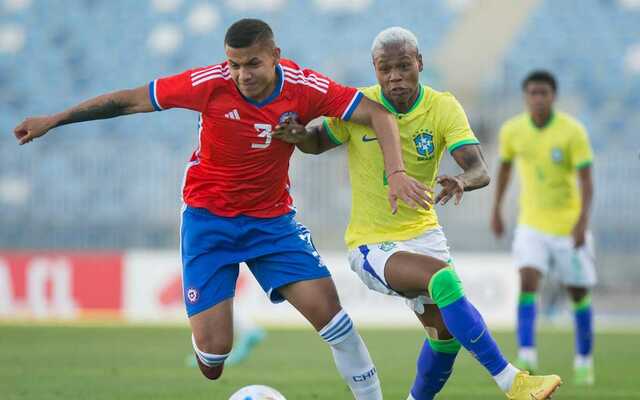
(387,104)
(276,91)
(546,124)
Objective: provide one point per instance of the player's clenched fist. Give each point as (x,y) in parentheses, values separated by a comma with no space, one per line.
(290,131)
(32,128)
(409,190)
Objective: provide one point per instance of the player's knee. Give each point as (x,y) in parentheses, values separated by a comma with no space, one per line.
(445,287)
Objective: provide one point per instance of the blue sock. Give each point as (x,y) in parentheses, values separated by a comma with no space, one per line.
(527,319)
(463,320)
(435,365)
(583,314)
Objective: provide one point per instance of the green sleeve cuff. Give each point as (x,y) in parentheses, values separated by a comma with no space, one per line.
(330,133)
(584,164)
(461,143)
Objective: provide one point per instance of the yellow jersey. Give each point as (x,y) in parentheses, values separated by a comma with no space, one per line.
(547,159)
(435,121)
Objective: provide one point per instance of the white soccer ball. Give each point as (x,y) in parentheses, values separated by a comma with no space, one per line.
(257,392)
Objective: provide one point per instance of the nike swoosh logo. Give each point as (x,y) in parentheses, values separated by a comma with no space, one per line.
(366,138)
(479,336)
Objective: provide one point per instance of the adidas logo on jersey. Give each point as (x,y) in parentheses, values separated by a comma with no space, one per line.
(233,114)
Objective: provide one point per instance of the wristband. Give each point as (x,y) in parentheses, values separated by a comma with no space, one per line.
(395,172)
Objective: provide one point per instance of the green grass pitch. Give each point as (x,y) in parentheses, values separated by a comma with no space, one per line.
(83,362)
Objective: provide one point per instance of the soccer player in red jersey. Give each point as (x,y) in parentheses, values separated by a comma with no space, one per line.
(237,206)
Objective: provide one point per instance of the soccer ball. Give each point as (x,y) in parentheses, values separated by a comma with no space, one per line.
(257,392)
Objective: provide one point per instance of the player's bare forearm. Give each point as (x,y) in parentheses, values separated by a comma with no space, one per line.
(470,159)
(316,141)
(586,191)
(107,106)
(384,125)
(504,175)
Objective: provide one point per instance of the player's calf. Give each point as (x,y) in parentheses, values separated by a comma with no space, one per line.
(211,365)
(434,367)
(352,357)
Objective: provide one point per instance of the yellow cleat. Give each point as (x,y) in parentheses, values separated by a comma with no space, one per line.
(533,387)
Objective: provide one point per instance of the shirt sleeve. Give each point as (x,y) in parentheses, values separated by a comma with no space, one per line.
(337,130)
(580,150)
(506,150)
(190,89)
(455,125)
(328,98)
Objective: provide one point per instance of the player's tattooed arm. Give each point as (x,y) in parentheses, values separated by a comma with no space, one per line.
(312,139)
(475,175)
(105,106)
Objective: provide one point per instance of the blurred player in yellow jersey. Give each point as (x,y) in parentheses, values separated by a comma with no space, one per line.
(552,152)
(406,254)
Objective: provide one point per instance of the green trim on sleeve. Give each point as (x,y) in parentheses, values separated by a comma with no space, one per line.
(330,133)
(450,346)
(461,143)
(584,164)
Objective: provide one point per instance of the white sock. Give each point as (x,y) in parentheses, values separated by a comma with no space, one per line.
(352,357)
(410,397)
(583,361)
(528,354)
(505,378)
(208,359)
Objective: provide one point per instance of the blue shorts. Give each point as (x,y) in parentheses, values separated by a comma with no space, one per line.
(278,251)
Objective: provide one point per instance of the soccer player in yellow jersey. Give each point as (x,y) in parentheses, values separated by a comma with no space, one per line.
(552,152)
(406,254)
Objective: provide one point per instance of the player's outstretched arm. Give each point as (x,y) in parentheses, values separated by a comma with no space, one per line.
(475,175)
(108,105)
(504,175)
(312,139)
(401,186)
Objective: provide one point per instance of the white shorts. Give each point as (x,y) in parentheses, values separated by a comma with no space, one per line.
(555,254)
(369,261)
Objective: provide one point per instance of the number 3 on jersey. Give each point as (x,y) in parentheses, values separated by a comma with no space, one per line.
(264,131)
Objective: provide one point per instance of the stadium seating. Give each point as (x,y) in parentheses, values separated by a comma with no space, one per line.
(85,185)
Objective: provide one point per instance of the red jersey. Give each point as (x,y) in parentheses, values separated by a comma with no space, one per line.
(237,167)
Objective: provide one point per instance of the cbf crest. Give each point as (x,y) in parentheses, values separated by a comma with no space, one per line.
(423,140)
(556,155)
(289,115)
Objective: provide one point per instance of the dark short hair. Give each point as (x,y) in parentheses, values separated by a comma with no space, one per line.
(541,76)
(246,32)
